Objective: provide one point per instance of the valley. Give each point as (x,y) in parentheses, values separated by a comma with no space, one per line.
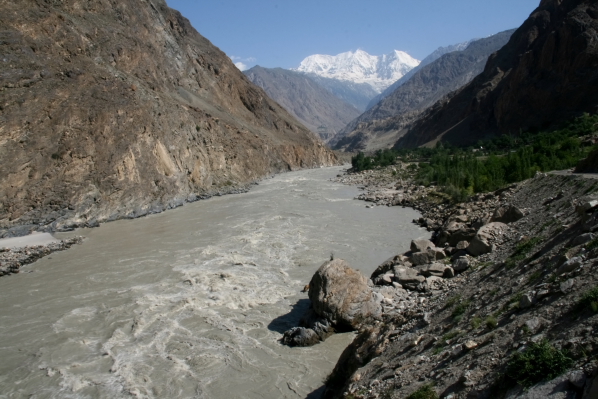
(176,219)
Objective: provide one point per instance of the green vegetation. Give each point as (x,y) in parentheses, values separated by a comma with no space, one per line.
(476,322)
(589,300)
(539,362)
(451,335)
(535,276)
(521,251)
(380,158)
(493,163)
(491,322)
(592,244)
(460,310)
(424,392)
(452,301)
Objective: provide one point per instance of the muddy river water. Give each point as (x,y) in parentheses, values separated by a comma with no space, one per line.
(191,303)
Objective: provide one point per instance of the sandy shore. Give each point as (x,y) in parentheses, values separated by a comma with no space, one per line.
(28,241)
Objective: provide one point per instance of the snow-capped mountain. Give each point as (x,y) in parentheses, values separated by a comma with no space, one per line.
(361,67)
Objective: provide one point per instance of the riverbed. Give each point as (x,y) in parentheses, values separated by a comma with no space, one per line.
(191,303)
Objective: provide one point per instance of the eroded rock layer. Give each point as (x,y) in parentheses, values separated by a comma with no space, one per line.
(112,109)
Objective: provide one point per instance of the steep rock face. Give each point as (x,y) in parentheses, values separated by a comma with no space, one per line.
(317,108)
(547,73)
(118,109)
(382,125)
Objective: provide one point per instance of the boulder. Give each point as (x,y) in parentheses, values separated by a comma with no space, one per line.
(384,279)
(507,214)
(482,242)
(300,336)
(405,275)
(586,205)
(434,269)
(442,238)
(526,301)
(566,286)
(421,258)
(464,234)
(582,239)
(461,264)
(535,324)
(420,245)
(436,253)
(569,266)
(386,266)
(462,245)
(342,295)
(449,272)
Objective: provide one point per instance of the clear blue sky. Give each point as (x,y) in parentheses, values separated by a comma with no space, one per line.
(280,33)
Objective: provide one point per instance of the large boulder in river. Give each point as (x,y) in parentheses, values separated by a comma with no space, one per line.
(342,295)
(341,299)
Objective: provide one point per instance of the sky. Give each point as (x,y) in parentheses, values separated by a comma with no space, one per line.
(281,33)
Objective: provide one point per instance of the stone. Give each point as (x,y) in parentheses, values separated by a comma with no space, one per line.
(567,286)
(461,264)
(342,296)
(582,239)
(434,269)
(577,378)
(534,324)
(405,275)
(436,253)
(449,272)
(462,245)
(442,238)
(386,266)
(433,280)
(569,265)
(469,345)
(586,206)
(507,214)
(463,234)
(421,258)
(481,243)
(526,301)
(300,336)
(420,245)
(385,279)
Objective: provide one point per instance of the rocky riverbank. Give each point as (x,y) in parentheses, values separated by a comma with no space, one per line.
(12,259)
(504,276)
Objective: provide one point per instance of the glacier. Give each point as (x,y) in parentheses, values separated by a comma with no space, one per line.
(360,67)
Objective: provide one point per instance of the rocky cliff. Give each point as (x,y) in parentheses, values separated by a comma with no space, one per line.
(314,106)
(383,124)
(501,303)
(546,74)
(118,109)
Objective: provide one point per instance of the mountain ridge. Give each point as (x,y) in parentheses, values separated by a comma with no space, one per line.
(315,107)
(117,111)
(545,75)
(383,124)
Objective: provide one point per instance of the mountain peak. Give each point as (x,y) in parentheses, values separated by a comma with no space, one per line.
(360,67)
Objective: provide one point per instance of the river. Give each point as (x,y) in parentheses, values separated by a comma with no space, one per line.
(191,303)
